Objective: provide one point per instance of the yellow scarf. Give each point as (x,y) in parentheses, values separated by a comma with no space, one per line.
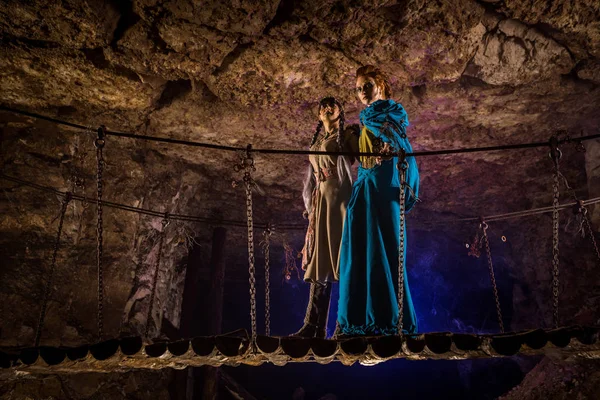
(365,145)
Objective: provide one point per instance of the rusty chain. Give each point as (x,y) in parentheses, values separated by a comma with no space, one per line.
(161,239)
(266,248)
(588,225)
(484,227)
(580,208)
(555,155)
(99,143)
(246,165)
(403,168)
(48,288)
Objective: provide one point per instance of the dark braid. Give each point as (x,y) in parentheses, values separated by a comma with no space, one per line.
(340,139)
(317,131)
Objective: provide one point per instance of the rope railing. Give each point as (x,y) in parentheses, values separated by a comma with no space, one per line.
(243,223)
(294,151)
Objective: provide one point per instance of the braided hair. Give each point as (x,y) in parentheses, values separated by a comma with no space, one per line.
(343,163)
(340,138)
(317,132)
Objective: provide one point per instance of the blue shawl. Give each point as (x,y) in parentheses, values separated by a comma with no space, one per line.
(387,120)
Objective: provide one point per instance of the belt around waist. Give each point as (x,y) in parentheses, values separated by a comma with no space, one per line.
(324,174)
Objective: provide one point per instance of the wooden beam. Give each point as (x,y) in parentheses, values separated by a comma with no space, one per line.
(215,305)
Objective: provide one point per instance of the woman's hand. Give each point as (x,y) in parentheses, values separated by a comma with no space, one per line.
(386,154)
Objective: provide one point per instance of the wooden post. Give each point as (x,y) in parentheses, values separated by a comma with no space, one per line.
(215,304)
(217,278)
(193,303)
(182,386)
(191,300)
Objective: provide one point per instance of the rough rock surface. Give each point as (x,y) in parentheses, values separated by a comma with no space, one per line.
(138,385)
(470,73)
(553,380)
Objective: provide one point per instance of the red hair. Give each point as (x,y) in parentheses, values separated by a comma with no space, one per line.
(381,80)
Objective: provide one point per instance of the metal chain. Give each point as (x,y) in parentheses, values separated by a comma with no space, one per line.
(48,289)
(247,165)
(555,154)
(588,225)
(403,168)
(161,239)
(484,227)
(266,248)
(581,209)
(99,143)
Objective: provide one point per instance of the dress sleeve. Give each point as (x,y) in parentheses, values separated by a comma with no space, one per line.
(351,138)
(351,135)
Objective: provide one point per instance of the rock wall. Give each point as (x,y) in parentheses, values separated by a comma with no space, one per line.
(469,73)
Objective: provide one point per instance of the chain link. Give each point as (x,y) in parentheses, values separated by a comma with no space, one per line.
(588,225)
(555,154)
(99,143)
(48,289)
(581,209)
(486,243)
(403,168)
(266,248)
(247,165)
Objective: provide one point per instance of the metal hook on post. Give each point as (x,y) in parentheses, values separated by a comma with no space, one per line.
(555,153)
(166,221)
(100,140)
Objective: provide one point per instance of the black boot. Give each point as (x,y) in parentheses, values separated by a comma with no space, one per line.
(315,321)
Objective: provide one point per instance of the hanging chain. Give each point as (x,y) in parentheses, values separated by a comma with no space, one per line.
(161,239)
(581,209)
(403,168)
(588,225)
(247,165)
(48,289)
(484,227)
(266,248)
(555,154)
(99,143)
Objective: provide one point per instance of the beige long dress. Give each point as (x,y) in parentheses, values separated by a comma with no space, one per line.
(329,211)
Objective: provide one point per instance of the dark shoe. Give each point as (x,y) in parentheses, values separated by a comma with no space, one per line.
(315,321)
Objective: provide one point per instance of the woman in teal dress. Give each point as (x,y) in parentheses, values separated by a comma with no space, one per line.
(368,303)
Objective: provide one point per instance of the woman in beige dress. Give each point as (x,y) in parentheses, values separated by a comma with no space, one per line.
(327,188)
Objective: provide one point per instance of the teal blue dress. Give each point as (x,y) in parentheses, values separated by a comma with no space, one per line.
(368,282)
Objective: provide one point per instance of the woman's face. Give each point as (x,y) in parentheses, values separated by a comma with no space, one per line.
(367,90)
(329,111)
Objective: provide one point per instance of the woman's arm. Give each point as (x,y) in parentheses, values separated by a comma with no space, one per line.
(392,134)
(351,134)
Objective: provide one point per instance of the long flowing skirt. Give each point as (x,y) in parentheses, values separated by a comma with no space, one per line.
(368,302)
